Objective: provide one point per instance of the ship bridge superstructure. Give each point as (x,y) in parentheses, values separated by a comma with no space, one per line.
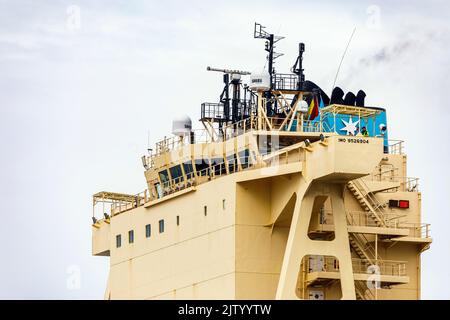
(313,177)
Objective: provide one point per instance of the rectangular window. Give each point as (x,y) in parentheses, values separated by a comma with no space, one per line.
(148,230)
(223,204)
(176,174)
(232,163)
(202,167)
(164,176)
(218,165)
(178,220)
(161,226)
(254,155)
(158,189)
(188,169)
(265,144)
(205,210)
(118,241)
(131,236)
(244,158)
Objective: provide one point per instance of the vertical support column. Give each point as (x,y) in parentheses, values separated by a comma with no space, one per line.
(341,247)
(107,295)
(299,244)
(259,110)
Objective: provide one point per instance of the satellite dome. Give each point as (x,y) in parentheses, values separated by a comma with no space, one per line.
(259,81)
(303,106)
(182,125)
(382,127)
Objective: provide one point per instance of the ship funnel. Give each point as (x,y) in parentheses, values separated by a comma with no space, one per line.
(182,126)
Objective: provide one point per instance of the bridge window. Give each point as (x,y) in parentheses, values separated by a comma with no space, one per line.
(148,230)
(244,158)
(219,166)
(118,241)
(188,169)
(131,236)
(202,167)
(164,176)
(232,163)
(158,189)
(254,154)
(161,226)
(176,173)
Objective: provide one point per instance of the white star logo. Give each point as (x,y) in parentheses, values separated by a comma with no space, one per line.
(350,126)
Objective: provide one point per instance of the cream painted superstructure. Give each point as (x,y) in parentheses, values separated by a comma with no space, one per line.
(243,235)
(270,200)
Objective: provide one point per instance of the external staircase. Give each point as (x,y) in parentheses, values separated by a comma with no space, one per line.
(363,292)
(368,201)
(364,225)
(360,244)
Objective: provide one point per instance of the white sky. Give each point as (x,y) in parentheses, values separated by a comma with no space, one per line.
(76,105)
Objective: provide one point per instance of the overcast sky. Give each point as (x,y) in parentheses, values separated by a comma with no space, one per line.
(82,82)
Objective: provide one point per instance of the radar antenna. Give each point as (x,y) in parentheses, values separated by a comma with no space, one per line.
(235,75)
(229,71)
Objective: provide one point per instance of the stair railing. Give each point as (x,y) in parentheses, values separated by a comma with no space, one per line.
(363,291)
(362,188)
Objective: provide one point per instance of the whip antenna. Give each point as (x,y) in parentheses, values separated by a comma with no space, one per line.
(342,59)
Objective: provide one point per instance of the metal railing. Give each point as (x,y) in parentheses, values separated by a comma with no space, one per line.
(207,174)
(120,206)
(284,81)
(251,122)
(376,207)
(408,184)
(296,125)
(172,143)
(211,110)
(368,250)
(230,131)
(216,111)
(360,266)
(417,230)
(382,175)
(174,185)
(385,267)
(396,146)
(363,219)
(363,291)
(239,128)
(364,189)
(279,157)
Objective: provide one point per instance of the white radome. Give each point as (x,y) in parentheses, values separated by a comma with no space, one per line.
(303,106)
(235,76)
(259,81)
(182,125)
